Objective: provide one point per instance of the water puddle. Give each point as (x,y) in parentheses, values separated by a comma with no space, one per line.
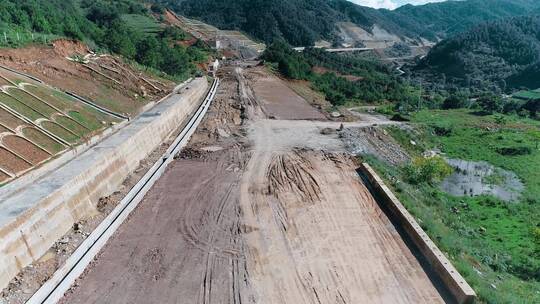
(481,178)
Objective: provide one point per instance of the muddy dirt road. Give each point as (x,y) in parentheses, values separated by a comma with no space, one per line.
(258,210)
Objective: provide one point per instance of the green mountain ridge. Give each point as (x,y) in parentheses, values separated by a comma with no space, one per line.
(302,22)
(504,53)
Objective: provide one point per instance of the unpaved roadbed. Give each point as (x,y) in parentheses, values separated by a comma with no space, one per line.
(258,210)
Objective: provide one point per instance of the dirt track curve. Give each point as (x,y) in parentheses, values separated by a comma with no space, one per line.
(257,210)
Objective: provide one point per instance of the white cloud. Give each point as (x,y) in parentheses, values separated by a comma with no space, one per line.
(391,4)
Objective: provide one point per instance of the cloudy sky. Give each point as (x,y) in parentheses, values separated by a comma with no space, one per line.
(391,4)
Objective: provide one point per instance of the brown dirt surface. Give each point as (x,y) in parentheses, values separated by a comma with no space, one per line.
(11,163)
(303,88)
(69,48)
(49,63)
(25,149)
(3,177)
(257,211)
(3,129)
(277,99)
(320,224)
(9,120)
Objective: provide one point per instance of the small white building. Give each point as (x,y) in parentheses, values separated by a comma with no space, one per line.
(214,66)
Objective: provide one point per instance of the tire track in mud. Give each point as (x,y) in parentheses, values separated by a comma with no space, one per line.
(332,242)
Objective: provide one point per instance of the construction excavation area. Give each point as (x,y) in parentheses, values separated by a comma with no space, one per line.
(265,204)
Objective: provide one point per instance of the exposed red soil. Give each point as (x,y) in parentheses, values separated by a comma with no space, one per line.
(9,120)
(49,63)
(189,42)
(70,47)
(11,163)
(25,149)
(3,177)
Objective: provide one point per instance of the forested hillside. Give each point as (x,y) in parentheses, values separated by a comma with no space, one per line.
(451,17)
(302,22)
(124,27)
(504,53)
(340,78)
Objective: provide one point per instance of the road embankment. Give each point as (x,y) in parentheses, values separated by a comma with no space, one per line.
(452,279)
(33,219)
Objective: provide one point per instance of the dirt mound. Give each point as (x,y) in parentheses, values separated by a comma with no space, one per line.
(67,48)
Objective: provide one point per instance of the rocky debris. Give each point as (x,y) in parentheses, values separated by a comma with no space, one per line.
(328,131)
(189,153)
(373,141)
(335,114)
(223,133)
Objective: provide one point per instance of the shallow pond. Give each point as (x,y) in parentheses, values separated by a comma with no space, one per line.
(481,178)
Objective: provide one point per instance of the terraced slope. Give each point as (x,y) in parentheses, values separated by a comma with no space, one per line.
(38,122)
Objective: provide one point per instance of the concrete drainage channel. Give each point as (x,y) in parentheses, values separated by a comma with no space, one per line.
(53,290)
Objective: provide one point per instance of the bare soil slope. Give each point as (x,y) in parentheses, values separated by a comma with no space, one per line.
(106,79)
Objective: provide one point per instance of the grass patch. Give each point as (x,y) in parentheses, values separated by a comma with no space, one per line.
(141,23)
(19,38)
(88,121)
(43,140)
(31,101)
(19,107)
(495,245)
(60,132)
(72,126)
(530,94)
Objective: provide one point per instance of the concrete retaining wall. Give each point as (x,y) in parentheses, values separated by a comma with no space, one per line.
(454,282)
(32,220)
